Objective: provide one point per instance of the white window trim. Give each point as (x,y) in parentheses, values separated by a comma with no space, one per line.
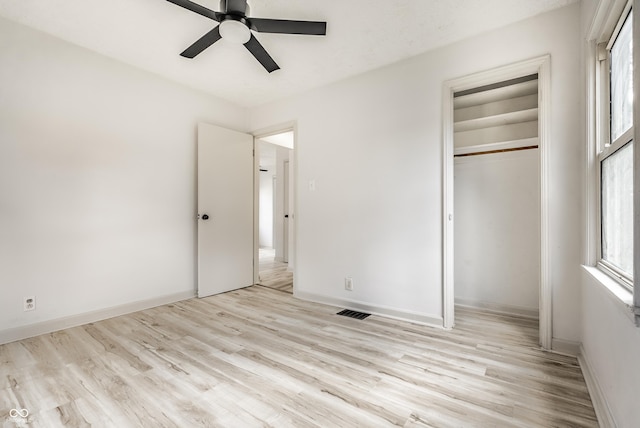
(606,22)
(620,295)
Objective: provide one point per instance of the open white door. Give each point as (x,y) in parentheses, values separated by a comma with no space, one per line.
(225,210)
(285,200)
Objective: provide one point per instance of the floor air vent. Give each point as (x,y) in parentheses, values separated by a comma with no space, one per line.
(353,314)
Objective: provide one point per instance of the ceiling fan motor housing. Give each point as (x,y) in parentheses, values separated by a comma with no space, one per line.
(224,4)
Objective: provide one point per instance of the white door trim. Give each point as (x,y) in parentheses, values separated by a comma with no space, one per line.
(542,66)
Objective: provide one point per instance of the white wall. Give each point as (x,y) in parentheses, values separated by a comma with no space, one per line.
(97,179)
(611,347)
(610,340)
(497,231)
(265,224)
(373,146)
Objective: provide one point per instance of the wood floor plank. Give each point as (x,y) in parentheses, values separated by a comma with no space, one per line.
(257,357)
(274,274)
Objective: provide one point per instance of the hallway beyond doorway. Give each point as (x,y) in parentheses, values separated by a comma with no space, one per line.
(274,274)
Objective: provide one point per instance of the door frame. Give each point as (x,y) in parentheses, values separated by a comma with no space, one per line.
(542,66)
(257,135)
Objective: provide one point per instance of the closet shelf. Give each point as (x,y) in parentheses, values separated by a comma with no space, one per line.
(515,117)
(525,102)
(502,145)
(503,93)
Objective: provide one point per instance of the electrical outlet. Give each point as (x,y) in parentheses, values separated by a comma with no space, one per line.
(348,284)
(29,303)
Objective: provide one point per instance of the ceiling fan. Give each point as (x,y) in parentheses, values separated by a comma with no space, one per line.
(236,26)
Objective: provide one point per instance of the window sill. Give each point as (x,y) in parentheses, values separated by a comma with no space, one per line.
(618,294)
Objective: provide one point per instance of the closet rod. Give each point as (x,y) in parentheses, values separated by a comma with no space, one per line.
(489,152)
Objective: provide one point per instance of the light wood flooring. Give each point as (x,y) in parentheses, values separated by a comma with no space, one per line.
(257,357)
(274,274)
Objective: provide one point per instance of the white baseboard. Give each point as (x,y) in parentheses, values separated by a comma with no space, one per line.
(600,405)
(499,307)
(31,330)
(428,320)
(565,347)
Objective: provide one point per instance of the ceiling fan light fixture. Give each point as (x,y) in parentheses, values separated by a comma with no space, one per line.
(237,26)
(234,31)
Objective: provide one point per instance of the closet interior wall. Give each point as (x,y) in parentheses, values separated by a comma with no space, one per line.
(497,197)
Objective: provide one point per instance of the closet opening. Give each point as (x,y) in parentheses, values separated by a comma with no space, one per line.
(497,197)
(495,182)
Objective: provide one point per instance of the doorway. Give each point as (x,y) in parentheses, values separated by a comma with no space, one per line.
(275,210)
(540,69)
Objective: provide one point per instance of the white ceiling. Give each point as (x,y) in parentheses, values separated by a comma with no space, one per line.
(361,35)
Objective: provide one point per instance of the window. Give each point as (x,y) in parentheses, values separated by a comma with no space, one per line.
(615,155)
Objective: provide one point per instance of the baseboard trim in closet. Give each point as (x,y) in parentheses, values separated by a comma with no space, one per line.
(499,307)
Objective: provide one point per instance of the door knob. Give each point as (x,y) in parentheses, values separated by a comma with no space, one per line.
(205,216)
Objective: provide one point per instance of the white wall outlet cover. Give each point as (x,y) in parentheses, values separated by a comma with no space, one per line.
(348,284)
(29,303)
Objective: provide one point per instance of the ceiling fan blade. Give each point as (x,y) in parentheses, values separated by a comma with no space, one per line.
(256,49)
(194,7)
(283,26)
(202,43)
(237,7)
